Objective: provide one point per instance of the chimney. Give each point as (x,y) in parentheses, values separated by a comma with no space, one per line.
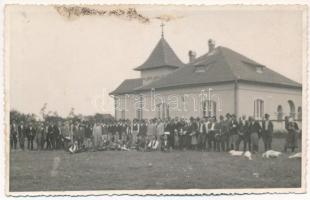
(211,44)
(191,55)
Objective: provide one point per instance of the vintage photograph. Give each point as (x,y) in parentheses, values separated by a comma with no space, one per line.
(155,99)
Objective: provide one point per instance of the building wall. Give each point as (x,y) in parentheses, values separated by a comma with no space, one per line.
(154,74)
(182,102)
(187,102)
(271,96)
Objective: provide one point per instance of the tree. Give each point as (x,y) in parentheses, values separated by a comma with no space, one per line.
(71,113)
(19,117)
(42,110)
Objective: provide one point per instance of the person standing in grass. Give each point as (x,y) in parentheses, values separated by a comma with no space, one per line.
(105,134)
(40,136)
(49,137)
(212,133)
(56,136)
(134,132)
(267,130)
(200,123)
(254,133)
(97,136)
(180,128)
(81,134)
(207,142)
(13,135)
(242,133)
(124,132)
(168,128)
(31,133)
(227,132)
(142,135)
(222,133)
(192,131)
(65,134)
(75,132)
(292,134)
(151,130)
(217,135)
(233,132)
(160,129)
(21,135)
(88,136)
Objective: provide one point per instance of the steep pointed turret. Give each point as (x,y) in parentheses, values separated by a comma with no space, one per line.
(161,57)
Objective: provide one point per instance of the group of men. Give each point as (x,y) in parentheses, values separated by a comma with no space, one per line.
(208,134)
(205,134)
(46,136)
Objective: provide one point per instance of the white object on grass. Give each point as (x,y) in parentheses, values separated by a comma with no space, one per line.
(235,153)
(271,154)
(297,155)
(248,155)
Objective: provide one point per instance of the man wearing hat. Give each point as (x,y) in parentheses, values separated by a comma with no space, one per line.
(267,131)
(233,132)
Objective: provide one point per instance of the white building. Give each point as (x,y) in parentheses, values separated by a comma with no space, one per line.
(220,81)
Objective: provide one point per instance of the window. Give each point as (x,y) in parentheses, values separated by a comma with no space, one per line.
(204,67)
(299,113)
(279,113)
(209,108)
(292,108)
(258,109)
(162,111)
(139,110)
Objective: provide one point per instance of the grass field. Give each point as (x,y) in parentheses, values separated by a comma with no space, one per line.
(61,171)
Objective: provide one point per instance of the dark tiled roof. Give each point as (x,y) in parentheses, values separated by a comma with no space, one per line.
(127,86)
(222,65)
(161,56)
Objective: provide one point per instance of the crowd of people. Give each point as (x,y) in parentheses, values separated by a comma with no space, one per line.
(204,134)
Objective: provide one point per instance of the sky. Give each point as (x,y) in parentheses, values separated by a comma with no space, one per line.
(75,62)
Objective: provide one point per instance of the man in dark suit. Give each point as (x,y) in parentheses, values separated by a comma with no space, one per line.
(169,127)
(202,134)
(267,131)
(31,133)
(254,130)
(50,137)
(21,135)
(226,129)
(243,123)
(222,133)
(182,130)
(211,133)
(13,135)
(233,132)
